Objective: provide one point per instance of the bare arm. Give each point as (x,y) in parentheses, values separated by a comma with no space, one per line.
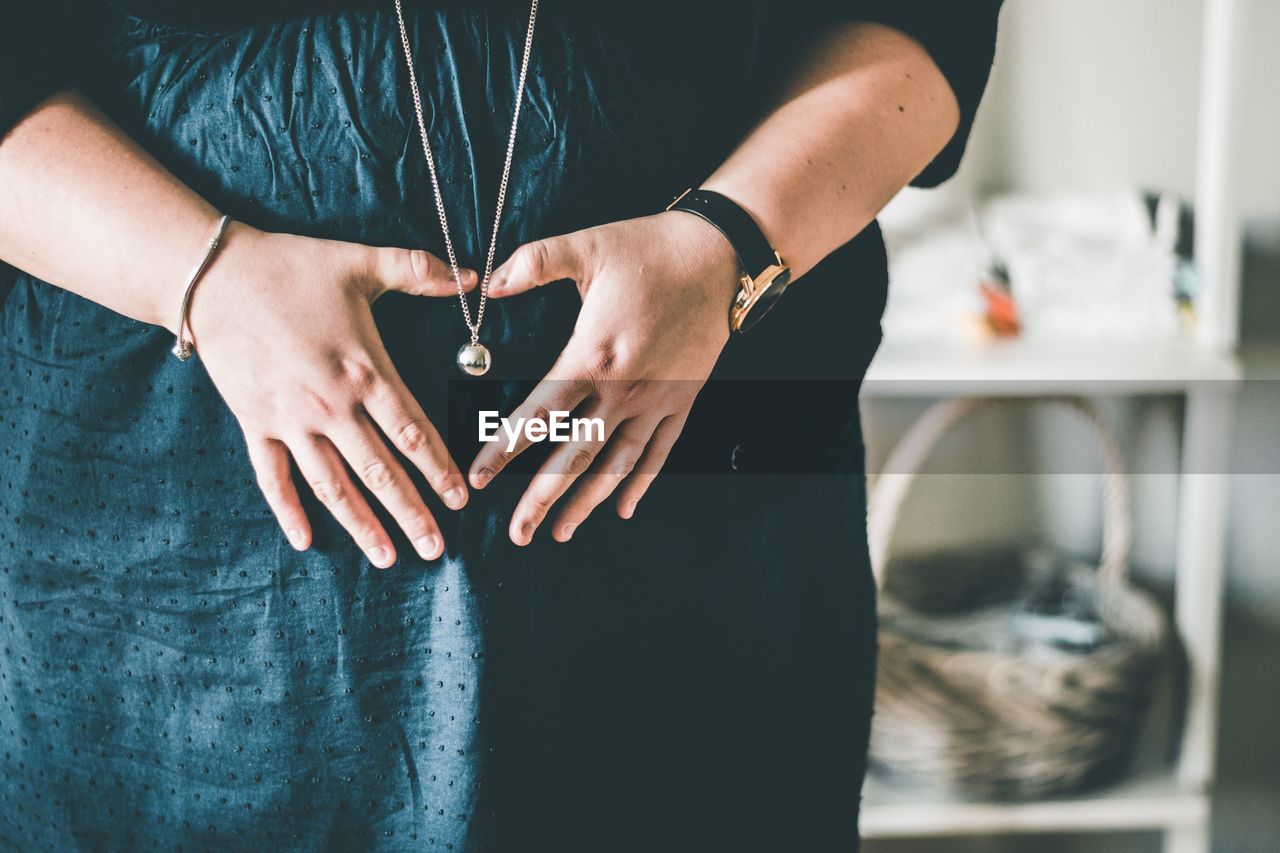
(83,207)
(867,111)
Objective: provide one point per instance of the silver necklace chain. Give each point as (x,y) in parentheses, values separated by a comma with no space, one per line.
(473,327)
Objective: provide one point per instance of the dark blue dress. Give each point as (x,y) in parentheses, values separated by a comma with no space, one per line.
(174,676)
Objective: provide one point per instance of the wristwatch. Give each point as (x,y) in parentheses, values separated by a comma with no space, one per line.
(764,274)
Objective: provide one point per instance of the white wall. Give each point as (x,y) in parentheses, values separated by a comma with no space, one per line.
(1099,94)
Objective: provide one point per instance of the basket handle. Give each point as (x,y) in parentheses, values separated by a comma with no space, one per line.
(889,490)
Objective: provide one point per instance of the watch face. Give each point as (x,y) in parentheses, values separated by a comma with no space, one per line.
(768,297)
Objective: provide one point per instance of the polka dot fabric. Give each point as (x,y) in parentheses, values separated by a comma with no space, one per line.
(174,677)
(168,667)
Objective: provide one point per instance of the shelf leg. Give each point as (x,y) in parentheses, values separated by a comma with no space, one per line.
(1217,222)
(1204,493)
(1187,839)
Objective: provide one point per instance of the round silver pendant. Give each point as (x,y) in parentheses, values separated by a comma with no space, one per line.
(474,359)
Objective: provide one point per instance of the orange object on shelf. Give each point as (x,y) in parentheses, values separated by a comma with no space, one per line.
(1001,317)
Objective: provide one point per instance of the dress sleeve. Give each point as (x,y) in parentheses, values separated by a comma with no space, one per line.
(37,39)
(960,35)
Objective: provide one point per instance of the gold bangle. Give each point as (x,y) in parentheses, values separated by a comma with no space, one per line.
(183,348)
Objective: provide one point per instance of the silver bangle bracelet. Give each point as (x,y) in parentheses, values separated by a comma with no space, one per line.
(183,348)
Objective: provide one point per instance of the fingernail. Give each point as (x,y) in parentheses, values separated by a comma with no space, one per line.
(567,531)
(524,534)
(629,510)
(428,546)
(455,498)
(469,277)
(482,477)
(297,538)
(380,556)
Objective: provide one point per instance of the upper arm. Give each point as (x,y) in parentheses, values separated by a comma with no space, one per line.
(960,37)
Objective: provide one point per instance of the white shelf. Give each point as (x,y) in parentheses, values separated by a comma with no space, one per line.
(1018,367)
(1175,802)
(1144,804)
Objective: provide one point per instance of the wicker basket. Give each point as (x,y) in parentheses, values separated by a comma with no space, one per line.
(1002,723)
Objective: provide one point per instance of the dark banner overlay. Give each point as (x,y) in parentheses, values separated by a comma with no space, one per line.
(813,427)
(734,426)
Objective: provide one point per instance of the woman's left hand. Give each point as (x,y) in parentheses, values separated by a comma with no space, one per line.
(656,293)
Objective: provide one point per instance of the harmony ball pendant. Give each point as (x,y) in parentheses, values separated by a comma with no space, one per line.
(474,359)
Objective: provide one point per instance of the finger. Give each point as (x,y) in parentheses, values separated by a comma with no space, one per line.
(403,422)
(550,395)
(325,473)
(615,464)
(650,463)
(270,460)
(418,273)
(367,454)
(538,263)
(563,467)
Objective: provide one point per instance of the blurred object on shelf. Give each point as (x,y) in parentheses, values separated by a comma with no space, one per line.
(1058,612)
(1082,266)
(1185,280)
(1002,310)
(1019,603)
(1174,223)
(1008,674)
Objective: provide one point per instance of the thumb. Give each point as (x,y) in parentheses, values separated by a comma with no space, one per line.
(535,264)
(418,273)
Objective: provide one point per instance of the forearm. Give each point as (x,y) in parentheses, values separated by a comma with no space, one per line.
(82,206)
(866,112)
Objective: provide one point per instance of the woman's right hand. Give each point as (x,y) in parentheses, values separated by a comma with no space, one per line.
(284,326)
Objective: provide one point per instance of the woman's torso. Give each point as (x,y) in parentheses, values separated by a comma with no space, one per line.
(154,619)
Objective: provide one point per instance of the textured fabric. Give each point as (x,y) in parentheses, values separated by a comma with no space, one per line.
(173,675)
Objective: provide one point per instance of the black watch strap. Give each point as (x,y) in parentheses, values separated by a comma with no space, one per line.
(735,223)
